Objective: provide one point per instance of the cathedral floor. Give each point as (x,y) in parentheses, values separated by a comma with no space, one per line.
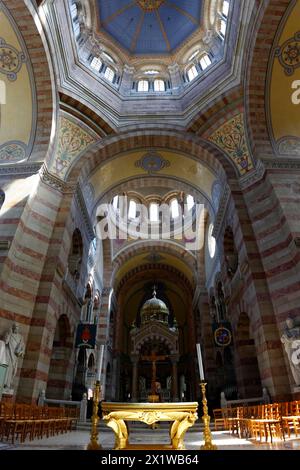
(78,440)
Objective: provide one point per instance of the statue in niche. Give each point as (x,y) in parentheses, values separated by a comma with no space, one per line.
(11,348)
(291,340)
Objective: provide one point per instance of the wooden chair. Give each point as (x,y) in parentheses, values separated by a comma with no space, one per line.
(219,418)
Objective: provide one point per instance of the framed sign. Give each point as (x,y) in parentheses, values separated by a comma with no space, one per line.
(222,334)
(86,336)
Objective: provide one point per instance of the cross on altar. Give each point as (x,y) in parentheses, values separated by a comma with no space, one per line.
(154,359)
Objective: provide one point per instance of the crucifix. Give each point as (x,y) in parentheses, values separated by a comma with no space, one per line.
(154,359)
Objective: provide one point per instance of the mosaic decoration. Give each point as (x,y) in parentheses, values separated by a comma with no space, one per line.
(289,146)
(150,5)
(12,152)
(289,54)
(152,162)
(232,140)
(11,60)
(73,140)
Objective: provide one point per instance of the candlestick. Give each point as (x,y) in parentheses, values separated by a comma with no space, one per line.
(208,444)
(94,444)
(100,362)
(201,371)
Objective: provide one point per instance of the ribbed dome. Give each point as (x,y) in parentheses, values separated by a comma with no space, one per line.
(154,309)
(150,26)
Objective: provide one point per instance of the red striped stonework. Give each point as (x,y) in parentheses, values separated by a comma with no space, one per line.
(42,74)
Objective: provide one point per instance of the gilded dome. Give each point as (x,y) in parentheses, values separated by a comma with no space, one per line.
(154,309)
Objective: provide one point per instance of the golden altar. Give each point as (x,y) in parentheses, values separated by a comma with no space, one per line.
(183,416)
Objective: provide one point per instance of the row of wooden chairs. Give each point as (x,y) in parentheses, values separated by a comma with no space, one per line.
(22,421)
(260,421)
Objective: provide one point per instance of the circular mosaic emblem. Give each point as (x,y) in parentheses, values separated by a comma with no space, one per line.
(222,336)
(289,54)
(10,60)
(12,151)
(150,5)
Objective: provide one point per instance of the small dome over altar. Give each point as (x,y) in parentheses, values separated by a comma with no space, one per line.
(154,309)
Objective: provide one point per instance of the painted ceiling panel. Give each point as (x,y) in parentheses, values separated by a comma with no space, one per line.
(156,30)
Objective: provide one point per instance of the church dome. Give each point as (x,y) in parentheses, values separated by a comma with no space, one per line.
(154,309)
(150,26)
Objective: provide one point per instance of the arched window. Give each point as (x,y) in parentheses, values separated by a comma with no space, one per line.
(96,64)
(211,241)
(190,202)
(109,74)
(192,73)
(154,212)
(205,61)
(74,11)
(76,27)
(174,209)
(2,198)
(225,8)
(159,85)
(116,202)
(132,209)
(143,85)
(223,27)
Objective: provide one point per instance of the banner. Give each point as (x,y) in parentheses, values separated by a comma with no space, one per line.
(86,336)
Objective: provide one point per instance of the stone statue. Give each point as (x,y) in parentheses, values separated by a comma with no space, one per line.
(11,348)
(291,341)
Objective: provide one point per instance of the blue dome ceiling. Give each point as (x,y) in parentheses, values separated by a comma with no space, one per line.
(150,26)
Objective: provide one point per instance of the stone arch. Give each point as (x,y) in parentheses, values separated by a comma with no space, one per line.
(141,247)
(187,143)
(28,23)
(268,18)
(247,371)
(59,376)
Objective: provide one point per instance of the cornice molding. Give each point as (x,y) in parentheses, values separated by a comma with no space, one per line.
(253,176)
(84,213)
(20,169)
(282,164)
(56,183)
(218,224)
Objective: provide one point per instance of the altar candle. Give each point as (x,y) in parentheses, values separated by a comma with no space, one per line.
(201,371)
(100,362)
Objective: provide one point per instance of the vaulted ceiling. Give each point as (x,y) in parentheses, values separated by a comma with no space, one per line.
(150,26)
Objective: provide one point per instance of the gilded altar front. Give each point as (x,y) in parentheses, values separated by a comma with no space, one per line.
(183,416)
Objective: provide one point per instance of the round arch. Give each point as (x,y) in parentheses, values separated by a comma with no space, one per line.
(28,24)
(187,143)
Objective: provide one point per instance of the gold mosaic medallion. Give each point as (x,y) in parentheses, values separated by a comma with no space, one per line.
(150,5)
